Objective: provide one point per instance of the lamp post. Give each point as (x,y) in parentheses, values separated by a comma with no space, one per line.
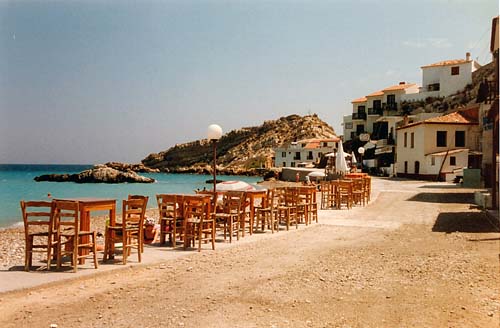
(214,133)
(361,151)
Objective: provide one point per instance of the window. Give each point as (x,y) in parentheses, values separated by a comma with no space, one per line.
(292,164)
(406,166)
(348,125)
(391,99)
(417,167)
(412,140)
(377,104)
(360,128)
(455,70)
(406,140)
(310,155)
(361,109)
(297,155)
(283,154)
(459,138)
(325,144)
(453,160)
(433,160)
(440,138)
(284,164)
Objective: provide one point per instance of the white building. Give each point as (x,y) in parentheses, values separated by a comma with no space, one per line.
(444,78)
(367,110)
(304,153)
(437,146)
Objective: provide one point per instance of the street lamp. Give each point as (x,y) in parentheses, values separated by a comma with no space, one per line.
(214,133)
(361,151)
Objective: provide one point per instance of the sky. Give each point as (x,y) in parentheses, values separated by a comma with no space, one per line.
(85,82)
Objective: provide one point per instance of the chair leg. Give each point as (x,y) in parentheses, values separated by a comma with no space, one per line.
(94,248)
(75,254)
(49,254)
(124,248)
(27,254)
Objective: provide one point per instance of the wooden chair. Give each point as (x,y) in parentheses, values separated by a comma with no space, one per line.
(328,194)
(171,218)
(69,235)
(39,230)
(287,209)
(358,191)
(199,226)
(344,194)
(130,232)
(266,214)
(368,187)
(232,211)
(145,198)
(313,205)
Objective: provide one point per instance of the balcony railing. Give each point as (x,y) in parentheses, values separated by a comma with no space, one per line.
(359,116)
(390,106)
(374,111)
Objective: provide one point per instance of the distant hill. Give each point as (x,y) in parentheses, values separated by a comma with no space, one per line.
(242,151)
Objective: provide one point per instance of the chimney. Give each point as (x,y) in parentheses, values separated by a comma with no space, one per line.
(406,120)
(402,83)
(467,56)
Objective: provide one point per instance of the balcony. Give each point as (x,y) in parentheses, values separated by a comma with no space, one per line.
(375,111)
(359,116)
(390,106)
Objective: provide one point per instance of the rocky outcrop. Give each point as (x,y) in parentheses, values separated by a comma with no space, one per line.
(99,174)
(140,168)
(244,151)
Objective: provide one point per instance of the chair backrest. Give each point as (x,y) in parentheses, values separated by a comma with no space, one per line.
(345,186)
(67,216)
(196,208)
(38,213)
(169,205)
(233,201)
(270,201)
(291,196)
(133,211)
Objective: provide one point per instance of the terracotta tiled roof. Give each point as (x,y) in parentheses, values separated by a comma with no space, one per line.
(359,100)
(399,87)
(450,118)
(316,143)
(463,117)
(448,62)
(376,93)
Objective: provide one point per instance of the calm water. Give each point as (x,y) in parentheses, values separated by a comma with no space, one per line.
(16,183)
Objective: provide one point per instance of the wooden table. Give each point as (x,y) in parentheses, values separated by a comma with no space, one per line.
(92,204)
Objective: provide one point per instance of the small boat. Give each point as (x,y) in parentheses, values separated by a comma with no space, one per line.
(212,181)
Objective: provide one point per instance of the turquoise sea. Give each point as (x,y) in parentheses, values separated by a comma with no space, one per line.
(16,183)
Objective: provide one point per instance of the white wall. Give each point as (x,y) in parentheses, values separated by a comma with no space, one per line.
(425,144)
(449,84)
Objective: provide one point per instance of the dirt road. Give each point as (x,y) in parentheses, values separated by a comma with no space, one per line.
(418,256)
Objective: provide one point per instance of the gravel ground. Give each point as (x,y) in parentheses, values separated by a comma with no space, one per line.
(439,268)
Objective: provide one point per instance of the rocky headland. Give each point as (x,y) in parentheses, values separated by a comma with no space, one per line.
(245,151)
(101,173)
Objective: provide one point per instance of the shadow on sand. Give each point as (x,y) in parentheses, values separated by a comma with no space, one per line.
(452,197)
(473,222)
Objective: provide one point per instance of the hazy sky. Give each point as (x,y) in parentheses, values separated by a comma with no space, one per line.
(96,81)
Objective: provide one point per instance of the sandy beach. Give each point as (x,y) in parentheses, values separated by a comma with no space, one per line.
(419,255)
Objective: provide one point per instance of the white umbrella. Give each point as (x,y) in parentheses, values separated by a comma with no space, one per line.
(353,160)
(234,185)
(340,163)
(316,174)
